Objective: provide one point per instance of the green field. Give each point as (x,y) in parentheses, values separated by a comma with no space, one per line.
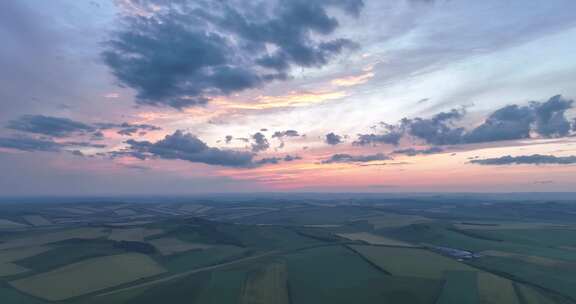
(460,287)
(410,262)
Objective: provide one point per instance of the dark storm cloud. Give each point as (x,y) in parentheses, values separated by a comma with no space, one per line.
(333,139)
(189,51)
(535,159)
(347,158)
(260,142)
(414,152)
(185,146)
(47,125)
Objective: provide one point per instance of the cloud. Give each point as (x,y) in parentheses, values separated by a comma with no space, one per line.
(437,130)
(188,52)
(352,80)
(276,160)
(287,133)
(64,127)
(508,123)
(127,129)
(185,146)
(347,158)
(550,118)
(82,144)
(260,142)
(535,159)
(391,135)
(47,125)
(414,152)
(333,139)
(511,122)
(29,144)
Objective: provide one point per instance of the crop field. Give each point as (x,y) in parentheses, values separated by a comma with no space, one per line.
(527,258)
(37,220)
(71,280)
(170,246)
(373,239)
(51,237)
(460,287)
(8,269)
(562,278)
(133,234)
(390,220)
(494,290)
(11,255)
(508,226)
(199,258)
(335,251)
(267,285)
(410,262)
(528,295)
(337,275)
(125,212)
(67,252)
(8,224)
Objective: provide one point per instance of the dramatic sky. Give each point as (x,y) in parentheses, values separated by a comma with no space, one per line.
(109,97)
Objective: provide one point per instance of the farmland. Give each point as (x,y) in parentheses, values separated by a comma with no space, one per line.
(70,281)
(288,252)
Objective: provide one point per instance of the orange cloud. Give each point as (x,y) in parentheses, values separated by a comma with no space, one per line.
(292,99)
(353,80)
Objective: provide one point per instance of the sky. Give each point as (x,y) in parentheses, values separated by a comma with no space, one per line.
(113,97)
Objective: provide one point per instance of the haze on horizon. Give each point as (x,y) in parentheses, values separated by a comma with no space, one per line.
(111,97)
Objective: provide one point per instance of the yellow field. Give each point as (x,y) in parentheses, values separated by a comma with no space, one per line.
(169,246)
(391,220)
(410,261)
(268,285)
(51,237)
(88,276)
(373,239)
(495,290)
